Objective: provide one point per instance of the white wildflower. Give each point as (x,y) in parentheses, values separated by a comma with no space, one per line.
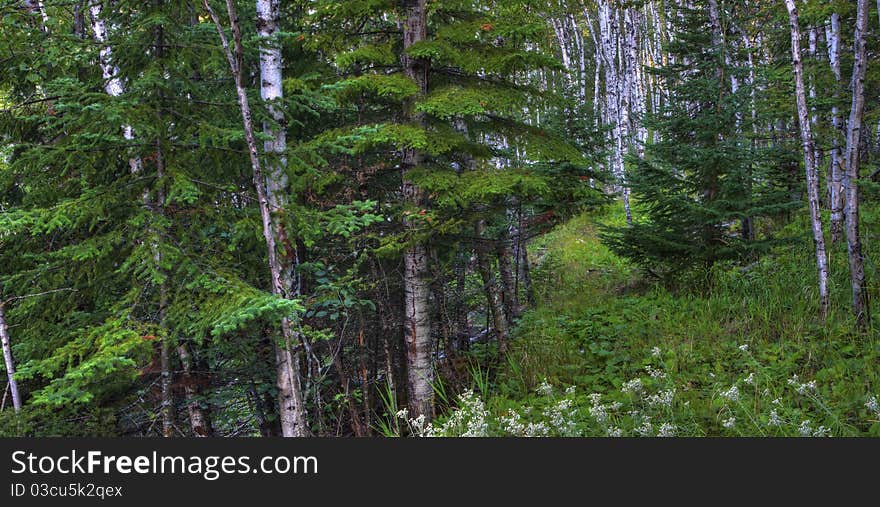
(655,372)
(750,380)
(666,430)
(744,347)
(663,398)
(729,423)
(646,429)
(655,352)
(822,431)
(561,418)
(731,394)
(512,424)
(614,431)
(599,413)
(538,429)
(873,405)
(774,418)
(633,386)
(545,389)
(806,429)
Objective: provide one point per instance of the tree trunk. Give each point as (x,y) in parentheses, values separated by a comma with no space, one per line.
(199,417)
(853,140)
(837,168)
(113,85)
(508,283)
(290,401)
(417,319)
(490,287)
(8,361)
(277,191)
(809,158)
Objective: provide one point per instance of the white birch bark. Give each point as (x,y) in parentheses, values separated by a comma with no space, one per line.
(113,84)
(837,168)
(615,115)
(8,361)
(291,404)
(291,409)
(853,138)
(809,160)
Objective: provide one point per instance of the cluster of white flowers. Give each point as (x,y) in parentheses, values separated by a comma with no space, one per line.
(666,430)
(806,430)
(545,389)
(469,419)
(633,386)
(800,387)
(599,412)
(645,429)
(744,347)
(873,405)
(750,380)
(731,394)
(729,423)
(513,424)
(656,373)
(614,431)
(656,352)
(775,420)
(561,417)
(663,398)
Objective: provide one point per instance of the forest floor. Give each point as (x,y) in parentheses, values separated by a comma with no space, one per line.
(609,352)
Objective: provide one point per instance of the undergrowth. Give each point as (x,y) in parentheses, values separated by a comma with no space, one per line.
(608,352)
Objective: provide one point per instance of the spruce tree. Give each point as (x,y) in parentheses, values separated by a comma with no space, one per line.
(701,179)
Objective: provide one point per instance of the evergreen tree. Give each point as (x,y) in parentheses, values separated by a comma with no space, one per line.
(700,180)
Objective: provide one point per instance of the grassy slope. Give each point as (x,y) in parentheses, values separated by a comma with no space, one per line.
(598,325)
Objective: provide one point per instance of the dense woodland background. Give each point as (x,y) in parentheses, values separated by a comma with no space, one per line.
(441,217)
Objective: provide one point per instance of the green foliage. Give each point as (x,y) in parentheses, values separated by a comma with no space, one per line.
(599,325)
(700,182)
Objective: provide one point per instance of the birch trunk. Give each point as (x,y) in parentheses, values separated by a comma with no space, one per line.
(809,161)
(8,360)
(113,84)
(837,168)
(853,138)
(417,319)
(277,191)
(614,116)
(290,401)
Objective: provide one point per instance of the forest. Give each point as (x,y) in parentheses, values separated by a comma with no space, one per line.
(450,218)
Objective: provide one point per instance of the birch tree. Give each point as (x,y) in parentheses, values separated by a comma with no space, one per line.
(851,184)
(290,399)
(837,162)
(8,360)
(809,150)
